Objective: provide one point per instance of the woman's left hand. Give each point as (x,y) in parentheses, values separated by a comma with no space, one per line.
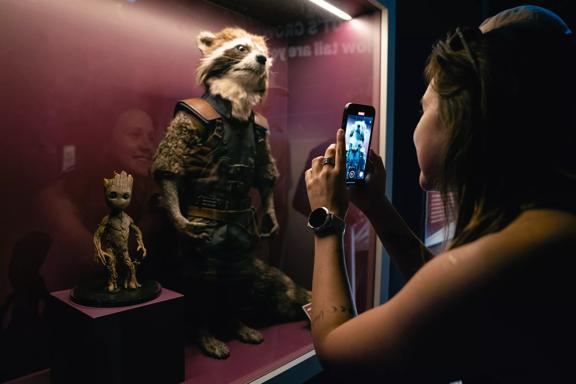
(326,183)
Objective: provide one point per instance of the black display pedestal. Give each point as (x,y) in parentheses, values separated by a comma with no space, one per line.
(141,343)
(93,294)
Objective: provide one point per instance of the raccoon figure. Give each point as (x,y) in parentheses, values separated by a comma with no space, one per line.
(215,150)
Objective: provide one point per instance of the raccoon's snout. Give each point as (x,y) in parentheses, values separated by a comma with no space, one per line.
(261,59)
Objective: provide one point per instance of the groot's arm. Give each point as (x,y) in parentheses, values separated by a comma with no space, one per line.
(139,239)
(99,253)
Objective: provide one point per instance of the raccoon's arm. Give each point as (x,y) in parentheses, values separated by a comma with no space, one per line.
(266,171)
(182,142)
(174,158)
(172,203)
(265,178)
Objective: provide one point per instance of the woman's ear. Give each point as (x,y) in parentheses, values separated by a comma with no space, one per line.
(205,40)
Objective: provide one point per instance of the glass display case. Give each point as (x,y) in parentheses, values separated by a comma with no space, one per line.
(88,88)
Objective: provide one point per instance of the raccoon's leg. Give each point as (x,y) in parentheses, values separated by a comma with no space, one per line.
(208,315)
(246,334)
(210,345)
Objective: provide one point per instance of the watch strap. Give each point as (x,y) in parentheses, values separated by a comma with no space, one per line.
(334,225)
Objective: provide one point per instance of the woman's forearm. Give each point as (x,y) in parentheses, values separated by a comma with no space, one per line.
(332,302)
(405,249)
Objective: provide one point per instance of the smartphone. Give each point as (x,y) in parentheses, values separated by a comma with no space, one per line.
(357,122)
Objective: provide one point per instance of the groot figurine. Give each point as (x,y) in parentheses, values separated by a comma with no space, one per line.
(215,150)
(111,237)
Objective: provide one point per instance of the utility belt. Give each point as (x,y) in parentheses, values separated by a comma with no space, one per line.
(244,218)
(214,202)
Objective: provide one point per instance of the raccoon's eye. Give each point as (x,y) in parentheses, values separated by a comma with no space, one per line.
(241,48)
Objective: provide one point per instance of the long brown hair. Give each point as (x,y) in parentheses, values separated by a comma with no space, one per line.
(505,100)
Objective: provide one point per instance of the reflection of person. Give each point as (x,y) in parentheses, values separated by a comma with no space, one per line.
(72,207)
(132,141)
(497,305)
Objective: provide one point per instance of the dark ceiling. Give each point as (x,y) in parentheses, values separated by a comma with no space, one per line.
(278,12)
(415,17)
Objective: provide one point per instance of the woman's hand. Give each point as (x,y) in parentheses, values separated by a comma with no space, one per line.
(370,194)
(326,183)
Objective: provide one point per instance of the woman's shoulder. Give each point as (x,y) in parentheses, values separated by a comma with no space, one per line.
(527,233)
(536,244)
(534,232)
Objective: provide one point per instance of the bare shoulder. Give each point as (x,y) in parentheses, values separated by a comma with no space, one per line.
(538,242)
(532,233)
(544,222)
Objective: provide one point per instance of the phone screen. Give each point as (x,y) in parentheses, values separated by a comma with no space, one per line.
(357,134)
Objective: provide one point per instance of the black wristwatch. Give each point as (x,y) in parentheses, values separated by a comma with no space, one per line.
(325,223)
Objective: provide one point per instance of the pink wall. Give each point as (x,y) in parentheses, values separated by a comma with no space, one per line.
(88,87)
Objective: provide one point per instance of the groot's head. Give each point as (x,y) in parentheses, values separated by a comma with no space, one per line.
(118,190)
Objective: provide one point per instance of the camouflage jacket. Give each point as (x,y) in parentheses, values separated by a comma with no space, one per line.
(214,156)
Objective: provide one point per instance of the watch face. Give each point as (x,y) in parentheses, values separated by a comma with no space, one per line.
(318,217)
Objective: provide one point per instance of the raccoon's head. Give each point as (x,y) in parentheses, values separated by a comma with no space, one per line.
(236,55)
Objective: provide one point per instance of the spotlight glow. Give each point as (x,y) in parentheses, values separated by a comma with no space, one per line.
(330,8)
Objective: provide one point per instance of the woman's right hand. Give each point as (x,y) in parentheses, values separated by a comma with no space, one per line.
(369,195)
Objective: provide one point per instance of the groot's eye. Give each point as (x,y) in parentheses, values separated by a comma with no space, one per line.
(241,48)
(112,195)
(126,196)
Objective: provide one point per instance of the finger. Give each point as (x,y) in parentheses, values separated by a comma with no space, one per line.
(308,176)
(317,164)
(330,154)
(373,155)
(330,151)
(340,150)
(197,224)
(376,161)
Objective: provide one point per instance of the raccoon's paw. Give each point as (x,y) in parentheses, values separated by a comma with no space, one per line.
(213,347)
(248,335)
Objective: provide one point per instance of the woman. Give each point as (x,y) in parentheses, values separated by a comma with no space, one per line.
(496,138)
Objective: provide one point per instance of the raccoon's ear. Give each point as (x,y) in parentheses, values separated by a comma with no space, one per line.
(205,40)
